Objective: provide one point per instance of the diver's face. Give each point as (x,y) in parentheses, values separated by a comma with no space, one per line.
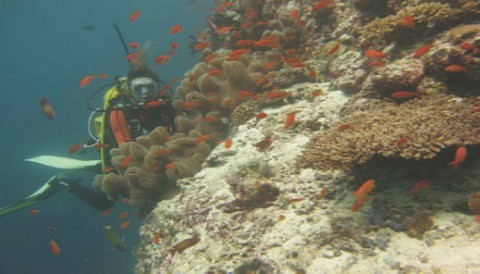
(143,88)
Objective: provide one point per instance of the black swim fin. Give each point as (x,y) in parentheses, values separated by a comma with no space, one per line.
(93,198)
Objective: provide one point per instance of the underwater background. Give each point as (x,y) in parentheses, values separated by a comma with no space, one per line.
(46,48)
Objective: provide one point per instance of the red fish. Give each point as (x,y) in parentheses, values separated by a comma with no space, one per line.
(454,68)
(228,143)
(209,119)
(162,59)
(103,76)
(365,189)
(372,54)
(86,80)
(401,142)
(203,138)
(47,109)
(33,212)
(290,120)
(134,15)
(173,45)
(403,94)
(125,225)
(201,45)
(215,72)
(239,52)
(133,57)
(294,14)
(170,166)
(123,216)
(124,200)
(333,49)
(377,63)
(421,51)
(209,57)
(407,21)
(260,115)
(176,29)
(54,247)
(244,43)
(420,186)
(75,148)
(108,169)
(460,156)
(107,211)
(126,161)
(134,45)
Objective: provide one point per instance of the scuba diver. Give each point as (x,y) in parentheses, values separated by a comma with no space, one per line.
(133,107)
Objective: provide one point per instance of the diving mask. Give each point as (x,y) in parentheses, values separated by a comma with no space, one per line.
(143,88)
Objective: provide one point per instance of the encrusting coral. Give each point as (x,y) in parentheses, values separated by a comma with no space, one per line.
(428,17)
(397,131)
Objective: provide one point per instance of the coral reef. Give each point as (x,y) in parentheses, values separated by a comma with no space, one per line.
(443,122)
(286,207)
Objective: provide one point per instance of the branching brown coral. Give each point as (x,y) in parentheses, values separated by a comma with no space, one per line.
(428,124)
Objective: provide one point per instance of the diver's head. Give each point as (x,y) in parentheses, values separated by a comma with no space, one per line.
(142,84)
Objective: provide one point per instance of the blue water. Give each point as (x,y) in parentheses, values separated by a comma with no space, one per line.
(44,52)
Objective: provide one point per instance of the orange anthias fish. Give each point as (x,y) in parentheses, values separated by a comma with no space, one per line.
(366,188)
(260,115)
(201,45)
(125,225)
(401,142)
(134,16)
(75,148)
(372,54)
(33,212)
(361,194)
(176,29)
(123,216)
(107,211)
(333,49)
(421,51)
(228,143)
(54,247)
(407,21)
(203,138)
(170,166)
(290,120)
(455,68)
(460,156)
(86,80)
(103,76)
(134,45)
(404,94)
(126,161)
(47,109)
(420,186)
(209,57)
(162,59)
(173,45)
